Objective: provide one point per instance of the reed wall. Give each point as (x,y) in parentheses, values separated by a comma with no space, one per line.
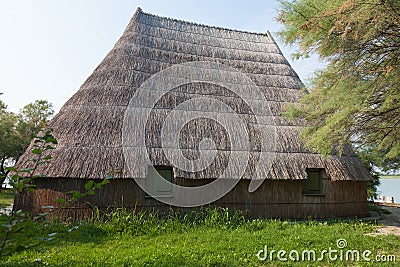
(273,199)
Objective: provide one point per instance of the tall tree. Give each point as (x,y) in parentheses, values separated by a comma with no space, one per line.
(17,130)
(356,99)
(34,117)
(10,139)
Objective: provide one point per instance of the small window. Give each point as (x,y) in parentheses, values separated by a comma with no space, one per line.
(157,186)
(313,184)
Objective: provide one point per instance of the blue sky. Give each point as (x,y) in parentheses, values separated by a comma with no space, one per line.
(48,48)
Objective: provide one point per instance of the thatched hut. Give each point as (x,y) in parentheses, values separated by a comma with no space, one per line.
(93,128)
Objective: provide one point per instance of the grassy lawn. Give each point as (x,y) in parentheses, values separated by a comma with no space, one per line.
(6,198)
(210,238)
(390,176)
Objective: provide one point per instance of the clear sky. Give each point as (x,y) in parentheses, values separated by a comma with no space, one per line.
(49,47)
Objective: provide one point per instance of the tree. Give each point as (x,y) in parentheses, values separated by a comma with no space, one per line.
(356,99)
(370,159)
(10,139)
(34,117)
(17,131)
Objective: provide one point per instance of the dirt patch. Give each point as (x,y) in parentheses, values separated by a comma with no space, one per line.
(390,222)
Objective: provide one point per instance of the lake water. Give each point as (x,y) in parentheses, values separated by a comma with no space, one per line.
(390,188)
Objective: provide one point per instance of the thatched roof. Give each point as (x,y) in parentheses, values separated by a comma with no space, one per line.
(89,126)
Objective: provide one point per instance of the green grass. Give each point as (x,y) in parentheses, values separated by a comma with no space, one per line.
(390,176)
(212,237)
(6,198)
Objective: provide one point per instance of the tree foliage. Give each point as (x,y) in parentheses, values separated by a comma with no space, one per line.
(34,117)
(17,130)
(356,99)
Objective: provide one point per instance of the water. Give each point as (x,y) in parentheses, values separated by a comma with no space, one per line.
(390,188)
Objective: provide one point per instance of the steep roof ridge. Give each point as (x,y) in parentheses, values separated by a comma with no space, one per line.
(267,35)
